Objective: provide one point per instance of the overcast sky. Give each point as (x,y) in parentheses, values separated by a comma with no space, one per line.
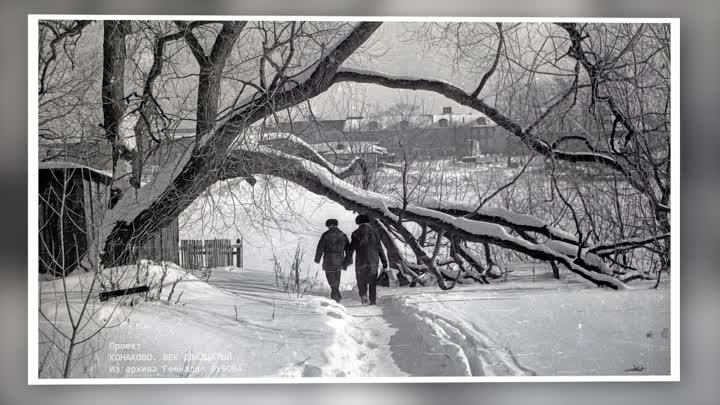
(392,53)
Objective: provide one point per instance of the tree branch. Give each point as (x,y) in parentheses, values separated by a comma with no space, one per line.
(319,181)
(460,96)
(75,30)
(490,72)
(623,245)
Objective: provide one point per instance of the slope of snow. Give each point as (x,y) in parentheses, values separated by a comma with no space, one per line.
(538,326)
(239,324)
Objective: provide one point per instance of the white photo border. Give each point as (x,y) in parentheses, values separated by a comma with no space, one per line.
(33,279)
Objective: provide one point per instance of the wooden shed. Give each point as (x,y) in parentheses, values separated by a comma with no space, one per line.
(72,200)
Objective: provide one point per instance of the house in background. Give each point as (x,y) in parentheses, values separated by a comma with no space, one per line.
(313,131)
(426,136)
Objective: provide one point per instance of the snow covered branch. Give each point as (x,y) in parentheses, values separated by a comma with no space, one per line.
(627,244)
(291,144)
(319,180)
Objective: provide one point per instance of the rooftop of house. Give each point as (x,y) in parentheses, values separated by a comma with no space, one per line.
(447,118)
(72,165)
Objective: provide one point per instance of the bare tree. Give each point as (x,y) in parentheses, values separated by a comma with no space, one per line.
(235,83)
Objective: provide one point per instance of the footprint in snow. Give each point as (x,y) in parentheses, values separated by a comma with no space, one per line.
(334,315)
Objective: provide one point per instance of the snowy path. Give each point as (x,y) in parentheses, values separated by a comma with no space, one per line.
(362,344)
(439,343)
(540,327)
(393,339)
(356,342)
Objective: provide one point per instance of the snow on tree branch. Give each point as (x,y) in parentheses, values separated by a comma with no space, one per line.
(321,181)
(627,244)
(293,145)
(180,182)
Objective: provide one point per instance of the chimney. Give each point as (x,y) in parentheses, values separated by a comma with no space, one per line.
(447,110)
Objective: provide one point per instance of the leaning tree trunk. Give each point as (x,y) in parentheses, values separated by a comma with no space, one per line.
(143,212)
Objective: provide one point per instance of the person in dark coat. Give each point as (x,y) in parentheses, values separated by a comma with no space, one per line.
(365,242)
(332,248)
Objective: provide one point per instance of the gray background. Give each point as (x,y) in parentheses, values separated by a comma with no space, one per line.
(699,221)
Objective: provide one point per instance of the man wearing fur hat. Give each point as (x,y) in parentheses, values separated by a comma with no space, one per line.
(365,242)
(332,248)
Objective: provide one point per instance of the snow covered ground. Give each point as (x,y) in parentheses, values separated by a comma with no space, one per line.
(242,323)
(543,327)
(239,324)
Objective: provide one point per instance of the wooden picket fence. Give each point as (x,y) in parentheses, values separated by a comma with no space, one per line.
(197,254)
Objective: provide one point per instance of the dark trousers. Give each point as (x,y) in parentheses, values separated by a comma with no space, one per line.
(333,278)
(367,282)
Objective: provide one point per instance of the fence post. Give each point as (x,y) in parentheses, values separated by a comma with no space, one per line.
(239,253)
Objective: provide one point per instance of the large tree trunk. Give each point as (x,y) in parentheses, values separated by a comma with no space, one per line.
(141,213)
(113,94)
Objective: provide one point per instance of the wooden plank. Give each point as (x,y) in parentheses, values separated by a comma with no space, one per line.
(183,255)
(190,255)
(215,253)
(192,263)
(193,255)
(104,296)
(228,252)
(208,253)
(166,250)
(211,252)
(157,246)
(222,253)
(172,242)
(218,253)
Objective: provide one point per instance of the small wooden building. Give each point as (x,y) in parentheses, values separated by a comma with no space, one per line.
(72,201)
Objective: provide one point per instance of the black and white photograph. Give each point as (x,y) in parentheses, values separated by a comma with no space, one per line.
(347,200)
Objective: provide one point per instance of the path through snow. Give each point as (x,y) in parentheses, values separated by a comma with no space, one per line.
(359,347)
(395,339)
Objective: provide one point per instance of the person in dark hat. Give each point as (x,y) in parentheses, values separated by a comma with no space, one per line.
(365,242)
(332,248)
